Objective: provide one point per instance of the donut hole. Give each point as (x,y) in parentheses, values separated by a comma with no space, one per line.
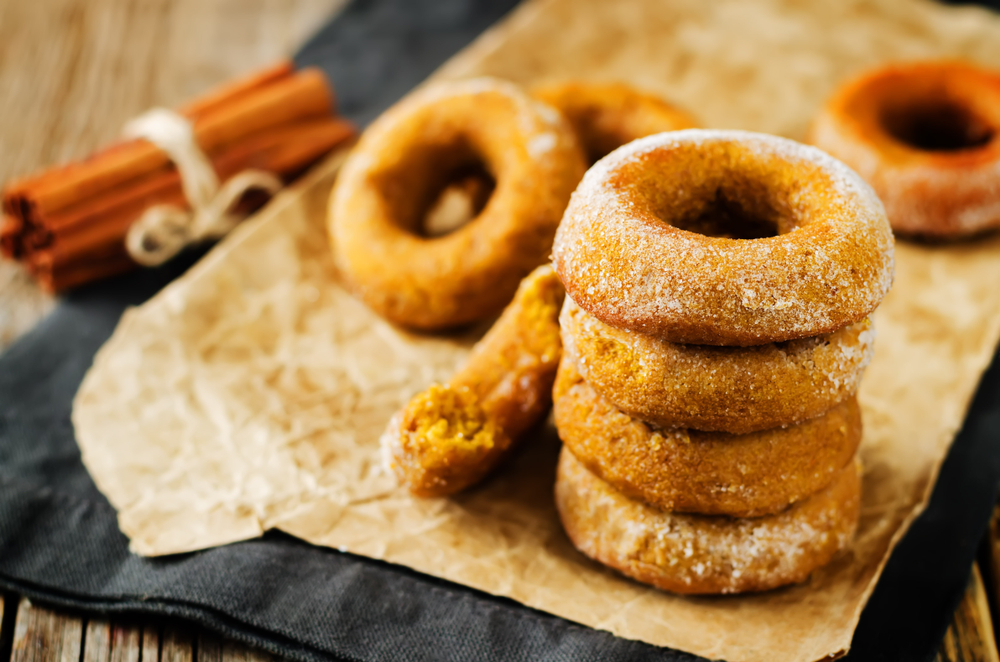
(725,215)
(461,198)
(437,186)
(937,127)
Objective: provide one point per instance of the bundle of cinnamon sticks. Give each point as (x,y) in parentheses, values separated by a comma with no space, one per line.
(68,224)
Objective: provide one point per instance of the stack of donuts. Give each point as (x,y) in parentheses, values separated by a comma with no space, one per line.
(717,323)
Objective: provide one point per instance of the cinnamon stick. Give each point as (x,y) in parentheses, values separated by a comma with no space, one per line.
(68,224)
(299,97)
(10,231)
(56,278)
(229,92)
(105,224)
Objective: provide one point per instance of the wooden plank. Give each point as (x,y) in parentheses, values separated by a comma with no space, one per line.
(126,643)
(236,652)
(150,644)
(9,603)
(214,649)
(97,641)
(45,636)
(993,546)
(176,646)
(970,636)
(209,648)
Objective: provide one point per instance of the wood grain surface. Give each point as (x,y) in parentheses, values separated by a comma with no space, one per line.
(41,634)
(970,636)
(72,72)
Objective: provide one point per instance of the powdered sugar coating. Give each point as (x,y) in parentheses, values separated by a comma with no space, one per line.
(621,260)
(536,120)
(728,389)
(698,554)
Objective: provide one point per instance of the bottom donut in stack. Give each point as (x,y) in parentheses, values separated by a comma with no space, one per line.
(705,554)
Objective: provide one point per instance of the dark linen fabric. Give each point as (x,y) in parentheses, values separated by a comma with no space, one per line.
(59,541)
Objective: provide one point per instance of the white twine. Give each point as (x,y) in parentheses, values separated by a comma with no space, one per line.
(164,230)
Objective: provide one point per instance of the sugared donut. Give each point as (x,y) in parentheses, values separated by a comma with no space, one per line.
(397,171)
(926,136)
(606,116)
(450,436)
(710,473)
(706,387)
(724,238)
(703,554)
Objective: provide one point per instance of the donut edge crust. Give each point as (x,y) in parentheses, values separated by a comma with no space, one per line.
(606,116)
(711,388)
(692,554)
(711,473)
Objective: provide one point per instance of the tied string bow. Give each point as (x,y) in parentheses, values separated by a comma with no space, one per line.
(164,230)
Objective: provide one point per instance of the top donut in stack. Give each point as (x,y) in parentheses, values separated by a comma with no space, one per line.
(716,328)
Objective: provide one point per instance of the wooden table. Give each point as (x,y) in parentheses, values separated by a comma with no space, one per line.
(72,72)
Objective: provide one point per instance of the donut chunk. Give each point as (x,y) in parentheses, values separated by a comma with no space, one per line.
(406,159)
(705,387)
(926,136)
(606,116)
(710,473)
(724,238)
(700,554)
(451,436)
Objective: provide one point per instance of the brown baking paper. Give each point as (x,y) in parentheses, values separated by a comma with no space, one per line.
(250,394)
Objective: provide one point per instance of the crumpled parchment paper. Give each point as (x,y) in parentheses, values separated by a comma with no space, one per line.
(250,393)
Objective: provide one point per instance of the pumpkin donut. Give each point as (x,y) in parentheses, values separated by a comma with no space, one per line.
(450,436)
(711,473)
(706,387)
(606,116)
(926,136)
(704,554)
(402,163)
(724,238)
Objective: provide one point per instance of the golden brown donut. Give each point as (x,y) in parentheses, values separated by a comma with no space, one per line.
(400,166)
(704,554)
(632,248)
(705,387)
(711,473)
(450,436)
(606,116)
(926,136)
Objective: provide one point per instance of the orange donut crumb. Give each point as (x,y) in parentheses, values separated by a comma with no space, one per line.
(450,436)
